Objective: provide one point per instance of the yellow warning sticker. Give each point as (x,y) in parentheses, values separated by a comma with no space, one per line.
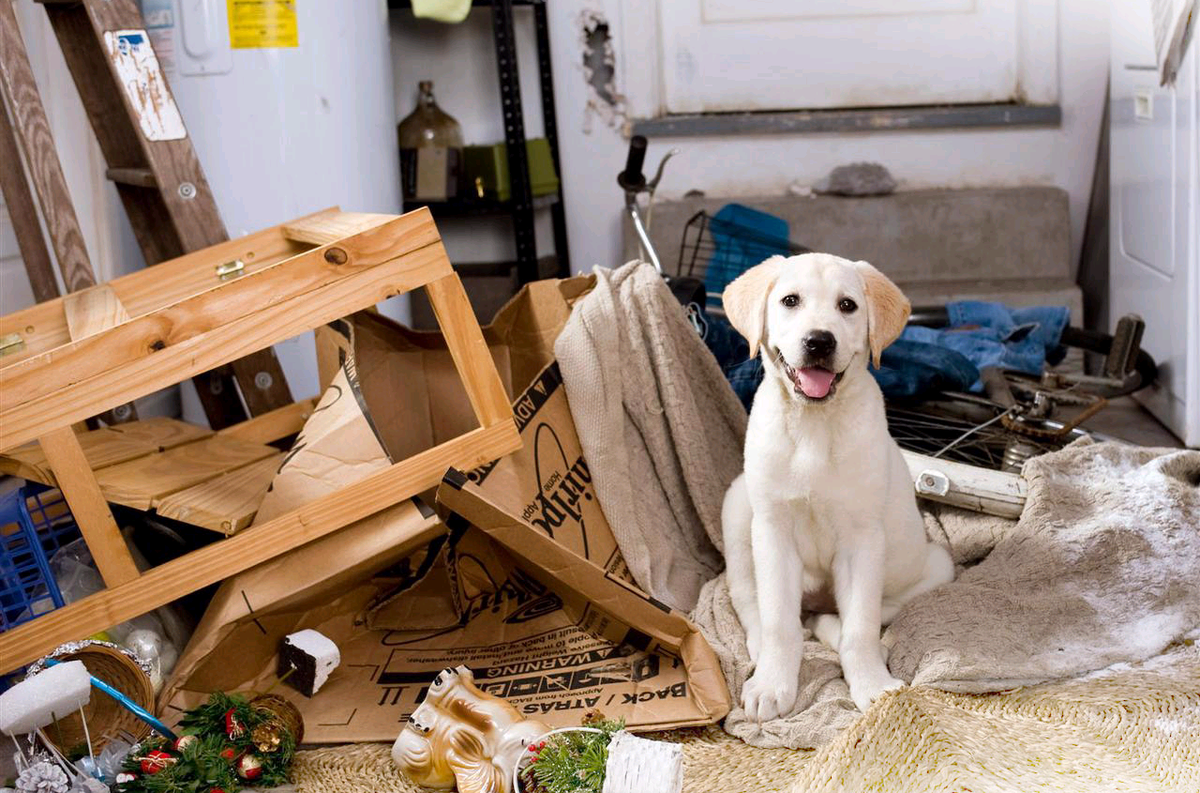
(257,24)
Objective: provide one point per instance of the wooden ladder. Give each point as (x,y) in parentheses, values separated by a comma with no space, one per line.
(150,159)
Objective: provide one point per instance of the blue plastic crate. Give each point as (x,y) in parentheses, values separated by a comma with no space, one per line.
(34,523)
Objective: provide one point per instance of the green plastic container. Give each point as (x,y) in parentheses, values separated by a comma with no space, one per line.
(486,168)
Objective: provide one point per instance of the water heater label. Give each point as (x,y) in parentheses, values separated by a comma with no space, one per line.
(145,87)
(256,24)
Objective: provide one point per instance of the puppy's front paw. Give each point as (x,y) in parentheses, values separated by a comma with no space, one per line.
(769,693)
(867,688)
(753,642)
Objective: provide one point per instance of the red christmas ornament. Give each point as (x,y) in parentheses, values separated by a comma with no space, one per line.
(249,767)
(233,728)
(229,754)
(216,790)
(185,741)
(156,761)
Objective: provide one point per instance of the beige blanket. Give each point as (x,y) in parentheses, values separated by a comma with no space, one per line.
(1101,568)
(660,427)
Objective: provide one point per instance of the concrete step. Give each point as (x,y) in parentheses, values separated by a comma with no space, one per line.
(918,237)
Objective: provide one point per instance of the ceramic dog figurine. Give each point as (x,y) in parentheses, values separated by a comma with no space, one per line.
(462,736)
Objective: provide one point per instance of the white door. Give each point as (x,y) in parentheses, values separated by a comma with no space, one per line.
(739,55)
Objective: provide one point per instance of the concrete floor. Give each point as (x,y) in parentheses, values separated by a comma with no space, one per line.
(1126,420)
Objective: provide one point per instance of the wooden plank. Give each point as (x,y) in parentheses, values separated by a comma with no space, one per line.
(106,446)
(23,214)
(256,544)
(88,312)
(157,333)
(145,370)
(330,227)
(92,310)
(137,177)
(95,521)
(140,482)
(467,347)
(44,326)
(45,170)
(226,504)
(160,433)
(273,426)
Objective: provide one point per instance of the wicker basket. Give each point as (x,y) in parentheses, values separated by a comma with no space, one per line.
(106,719)
(282,712)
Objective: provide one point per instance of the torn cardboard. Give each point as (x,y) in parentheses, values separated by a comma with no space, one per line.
(547,481)
(533,600)
(551,643)
(338,444)
(623,652)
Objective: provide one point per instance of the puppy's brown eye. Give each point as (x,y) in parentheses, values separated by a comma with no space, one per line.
(790,301)
(847,306)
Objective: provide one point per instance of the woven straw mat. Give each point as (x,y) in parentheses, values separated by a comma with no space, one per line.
(1132,728)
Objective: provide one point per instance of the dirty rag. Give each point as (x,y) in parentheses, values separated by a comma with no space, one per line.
(1101,568)
(658,424)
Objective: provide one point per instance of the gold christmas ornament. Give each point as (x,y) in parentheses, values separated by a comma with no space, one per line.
(267,737)
(462,736)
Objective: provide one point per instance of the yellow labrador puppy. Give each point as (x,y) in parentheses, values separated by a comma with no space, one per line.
(824,514)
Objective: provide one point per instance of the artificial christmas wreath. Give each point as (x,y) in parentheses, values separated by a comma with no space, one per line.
(225,744)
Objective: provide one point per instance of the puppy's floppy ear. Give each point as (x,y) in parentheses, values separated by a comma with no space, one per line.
(745,300)
(887,309)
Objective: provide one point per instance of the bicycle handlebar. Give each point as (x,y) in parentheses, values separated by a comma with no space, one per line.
(632,177)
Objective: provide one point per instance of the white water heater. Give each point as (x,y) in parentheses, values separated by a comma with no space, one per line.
(1154,222)
(290,107)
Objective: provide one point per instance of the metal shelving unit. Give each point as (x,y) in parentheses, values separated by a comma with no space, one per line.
(522,204)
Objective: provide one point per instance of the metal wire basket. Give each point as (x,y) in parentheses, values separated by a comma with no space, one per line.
(715,251)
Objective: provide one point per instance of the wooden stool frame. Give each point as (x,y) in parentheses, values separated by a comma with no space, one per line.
(83,354)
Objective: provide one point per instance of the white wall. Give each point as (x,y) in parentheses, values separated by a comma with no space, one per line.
(460,61)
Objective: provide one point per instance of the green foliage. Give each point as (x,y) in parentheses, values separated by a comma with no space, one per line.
(571,762)
(201,767)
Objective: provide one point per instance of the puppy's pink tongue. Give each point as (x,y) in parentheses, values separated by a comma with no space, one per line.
(815,382)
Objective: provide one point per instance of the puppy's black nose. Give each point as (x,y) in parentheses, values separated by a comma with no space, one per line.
(820,343)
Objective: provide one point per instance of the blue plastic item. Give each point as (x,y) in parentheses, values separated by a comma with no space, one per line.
(35,522)
(127,703)
(743,237)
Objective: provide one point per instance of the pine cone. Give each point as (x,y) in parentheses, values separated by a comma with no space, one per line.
(43,777)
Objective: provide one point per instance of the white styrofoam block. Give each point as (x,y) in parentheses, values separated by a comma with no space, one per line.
(324,655)
(54,692)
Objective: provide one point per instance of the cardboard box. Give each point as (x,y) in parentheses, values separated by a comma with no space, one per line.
(618,649)
(523,581)
(547,480)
